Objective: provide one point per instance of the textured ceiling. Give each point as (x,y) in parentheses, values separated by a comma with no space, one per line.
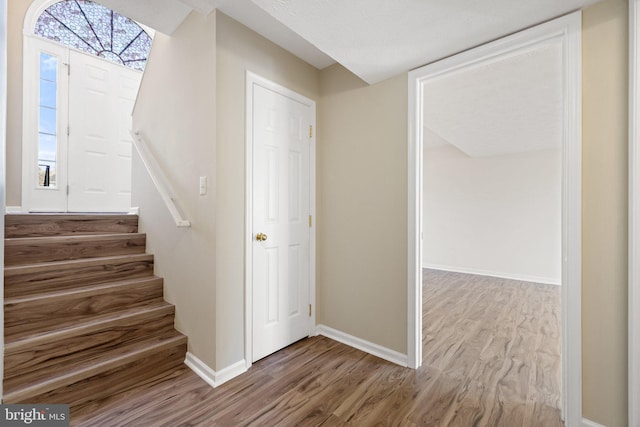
(507,105)
(378,39)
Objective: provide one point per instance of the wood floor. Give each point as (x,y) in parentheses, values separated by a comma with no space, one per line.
(491,358)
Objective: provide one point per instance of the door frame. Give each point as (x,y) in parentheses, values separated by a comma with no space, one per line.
(32,45)
(568,29)
(634,213)
(251,80)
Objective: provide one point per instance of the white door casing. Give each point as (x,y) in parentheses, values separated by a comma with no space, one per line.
(279,205)
(102,95)
(568,30)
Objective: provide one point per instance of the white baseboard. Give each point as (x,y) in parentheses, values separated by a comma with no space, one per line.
(366,346)
(589,423)
(13,209)
(213,378)
(134,211)
(479,272)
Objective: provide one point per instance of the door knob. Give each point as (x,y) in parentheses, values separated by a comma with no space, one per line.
(261,237)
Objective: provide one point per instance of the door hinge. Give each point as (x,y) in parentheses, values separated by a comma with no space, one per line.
(68,69)
(310,221)
(309,310)
(310,131)
(67,189)
(68,130)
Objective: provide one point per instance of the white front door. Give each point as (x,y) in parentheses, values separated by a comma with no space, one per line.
(101,97)
(280,220)
(76,143)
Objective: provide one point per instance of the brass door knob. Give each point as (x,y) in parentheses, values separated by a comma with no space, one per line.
(261,237)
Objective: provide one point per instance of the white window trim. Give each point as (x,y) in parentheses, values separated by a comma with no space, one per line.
(32,47)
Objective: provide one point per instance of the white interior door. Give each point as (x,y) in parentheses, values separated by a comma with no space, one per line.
(102,95)
(281,179)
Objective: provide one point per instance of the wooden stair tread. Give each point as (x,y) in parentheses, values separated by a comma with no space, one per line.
(38,382)
(85,316)
(78,292)
(14,241)
(30,250)
(94,323)
(15,270)
(33,225)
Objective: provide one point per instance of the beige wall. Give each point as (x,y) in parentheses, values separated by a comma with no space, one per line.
(240,49)
(362,194)
(16,13)
(362,207)
(604,192)
(176,113)
(472,202)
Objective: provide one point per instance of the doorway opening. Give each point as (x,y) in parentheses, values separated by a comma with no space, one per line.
(83,66)
(564,32)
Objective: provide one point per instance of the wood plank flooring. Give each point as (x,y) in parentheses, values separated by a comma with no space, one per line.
(491,358)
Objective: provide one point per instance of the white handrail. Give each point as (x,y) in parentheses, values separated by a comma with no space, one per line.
(159,179)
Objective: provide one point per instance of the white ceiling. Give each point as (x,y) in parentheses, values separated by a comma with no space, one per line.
(375,39)
(378,39)
(507,105)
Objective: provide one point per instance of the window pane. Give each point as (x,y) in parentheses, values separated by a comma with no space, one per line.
(47,147)
(47,94)
(47,125)
(48,67)
(97,30)
(47,120)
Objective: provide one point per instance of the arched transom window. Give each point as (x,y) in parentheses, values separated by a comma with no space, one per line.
(97,30)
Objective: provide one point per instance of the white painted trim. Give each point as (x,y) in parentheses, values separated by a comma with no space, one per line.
(134,211)
(251,79)
(53,196)
(568,30)
(589,423)
(211,377)
(634,215)
(366,346)
(479,272)
(14,210)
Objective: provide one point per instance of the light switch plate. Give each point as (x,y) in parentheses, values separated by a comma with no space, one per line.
(203,185)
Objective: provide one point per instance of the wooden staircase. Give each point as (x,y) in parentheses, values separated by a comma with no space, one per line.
(85,317)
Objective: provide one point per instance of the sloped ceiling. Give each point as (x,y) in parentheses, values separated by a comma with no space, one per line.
(374,39)
(378,39)
(249,14)
(508,105)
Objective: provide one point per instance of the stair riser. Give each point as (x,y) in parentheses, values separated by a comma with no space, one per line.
(152,368)
(83,346)
(67,225)
(18,252)
(54,278)
(45,314)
